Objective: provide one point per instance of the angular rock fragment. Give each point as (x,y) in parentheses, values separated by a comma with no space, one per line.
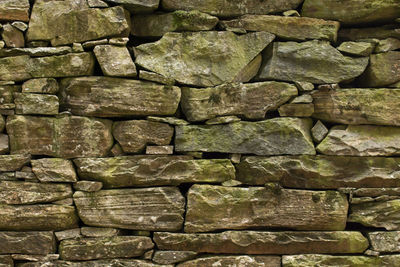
(14,68)
(172,257)
(54,170)
(128,171)
(115,61)
(150,209)
(313,61)
(155,25)
(353,12)
(137,6)
(267,261)
(386,242)
(15,162)
(40,243)
(12,36)
(67,137)
(362,49)
(289,28)
(40,86)
(27,103)
(14,10)
(361,140)
(112,97)
(37,217)
(269,137)
(387,45)
(104,247)
(318,131)
(224,8)
(30,193)
(254,242)
(134,135)
(94,263)
(251,100)
(241,208)
(320,172)
(215,57)
(333,261)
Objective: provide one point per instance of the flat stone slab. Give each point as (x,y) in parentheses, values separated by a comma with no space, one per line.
(265,261)
(39,243)
(95,263)
(149,209)
(213,208)
(333,261)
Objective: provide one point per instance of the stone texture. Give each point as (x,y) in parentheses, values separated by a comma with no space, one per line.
(269,137)
(40,243)
(243,261)
(318,131)
(376,192)
(40,86)
(320,172)
(213,208)
(134,135)
(313,61)
(362,49)
(112,97)
(30,193)
(68,234)
(13,162)
(361,140)
(115,61)
(36,51)
(127,171)
(203,58)
(155,77)
(386,242)
(104,247)
(88,186)
(381,32)
(383,69)
(358,106)
(333,261)
(376,212)
(353,12)
(95,263)
(289,28)
(159,150)
(27,103)
(223,8)
(62,23)
(4,144)
(156,25)
(252,100)
(254,242)
(6,261)
(54,170)
(100,232)
(37,217)
(172,257)
(387,45)
(14,68)
(170,120)
(14,10)
(12,36)
(150,209)
(137,6)
(296,110)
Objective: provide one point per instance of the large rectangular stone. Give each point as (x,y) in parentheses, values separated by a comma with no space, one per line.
(269,137)
(38,243)
(14,10)
(213,208)
(113,97)
(15,162)
(150,209)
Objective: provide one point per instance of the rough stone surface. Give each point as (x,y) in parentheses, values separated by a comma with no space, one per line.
(14,10)
(12,36)
(159,150)
(386,242)
(36,51)
(40,104)
(99,232)
(115,61)
(54,170)
(289,28)
(40,243)
(333,261)
(254,242)
(6,261)
(128,171)
(313,61)
(358,106)
(243,261)
(68,234)
(155,77)
(241,208)
(387,45)
(150,209)
(172,257)
(181,56)
(320,172)
(88,186)
(137,6)
(383,69)
(134,135)
(104,247)
(66,137)
(158,24)
(40,86)
(383,32)
(270,137)
(296,110)
(112,97)
(251,101)
(318,131)
(362,49)
(95,263)
(13,162)
(361,140)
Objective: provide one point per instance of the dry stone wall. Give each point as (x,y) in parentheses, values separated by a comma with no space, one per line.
(188,133)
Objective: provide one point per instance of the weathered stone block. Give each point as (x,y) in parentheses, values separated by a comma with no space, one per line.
(333,261)
(14,10)
(54,170)
(386,242)
(40,86)
(383,70)
(39,243)
(13,162)
(26,103)
(115,61)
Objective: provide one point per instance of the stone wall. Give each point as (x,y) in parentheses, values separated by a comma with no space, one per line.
(145,133)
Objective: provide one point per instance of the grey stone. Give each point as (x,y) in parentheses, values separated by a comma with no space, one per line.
(319,131)
(54,170)
(115,61)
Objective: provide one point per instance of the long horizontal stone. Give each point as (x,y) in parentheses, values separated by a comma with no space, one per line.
(54,170)
(30,193)
(66,136)
(257,242)
(211,208)
(128,171)
(13,162)
(28,103)
(39,243)
(37,217)
(265,261)
(289,28)
(334,261)
(320,172)
(104,248)
(372,106)
(251,100)
(269,137)
(35,51)
(14,10)
(380,32)
(361,140)
(137,6)
(149,209)
(94,263)
(225,8)
(113,97)
(387,242)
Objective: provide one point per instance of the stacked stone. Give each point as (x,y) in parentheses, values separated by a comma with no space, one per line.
(199,133)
